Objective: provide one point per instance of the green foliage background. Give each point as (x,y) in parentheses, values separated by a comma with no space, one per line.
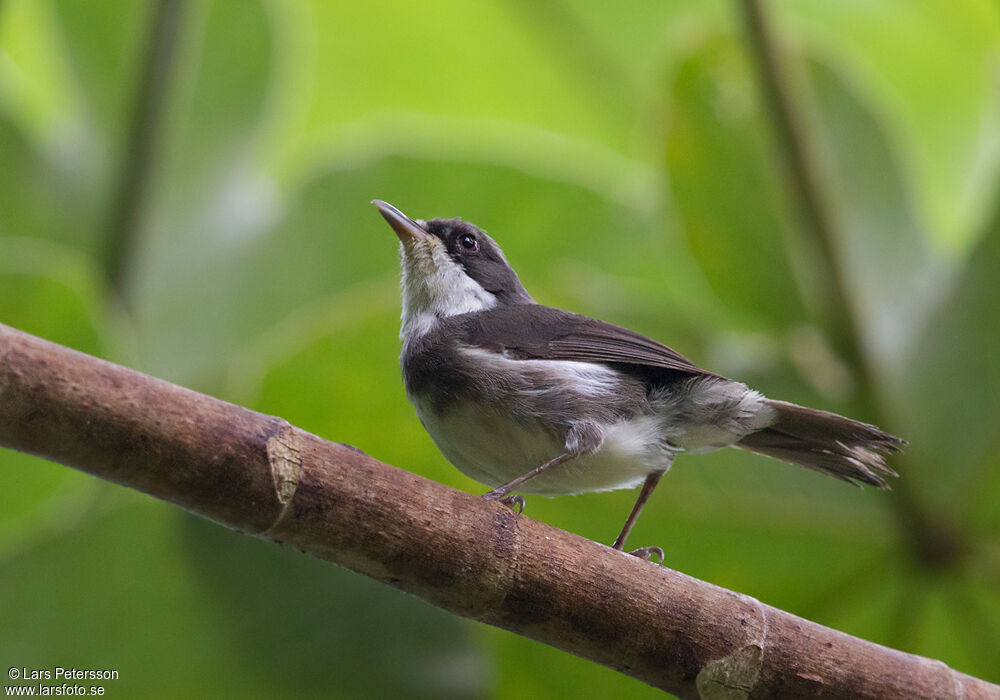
(622,155)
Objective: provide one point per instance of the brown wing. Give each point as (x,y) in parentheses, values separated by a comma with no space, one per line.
(532,331)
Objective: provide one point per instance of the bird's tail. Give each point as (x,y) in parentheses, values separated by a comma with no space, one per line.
(843,448)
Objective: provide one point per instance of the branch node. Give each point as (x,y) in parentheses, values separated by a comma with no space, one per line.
(732,677)
(285,461)
(735,676)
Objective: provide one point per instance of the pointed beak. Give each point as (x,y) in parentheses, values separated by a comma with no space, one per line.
(406,228)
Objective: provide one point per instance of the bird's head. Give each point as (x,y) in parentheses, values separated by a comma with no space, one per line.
(450,267)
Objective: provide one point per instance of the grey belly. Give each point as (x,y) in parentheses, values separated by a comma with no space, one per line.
(494,449)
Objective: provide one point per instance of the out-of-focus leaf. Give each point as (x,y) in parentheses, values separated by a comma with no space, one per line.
(639,34)
(983,507)
(125,566)
(105,42)
(447,58)
(34,83)
(726,187)
(532,669)
(40,196)
(214,120)
(950,399)
(51,291)
(99,50)
(893,279)
(980,608)
(23,188)
(38,496)
(932,80)
(332,380)
(956,626)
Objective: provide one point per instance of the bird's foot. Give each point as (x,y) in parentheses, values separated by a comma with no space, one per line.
(512,501)
(647,553)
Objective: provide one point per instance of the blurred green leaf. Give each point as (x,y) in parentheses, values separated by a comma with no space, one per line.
(726,187)
(24,183)
(950,399)
(39,498)
(40,194)
(220,97)
(982,508)
(36,86)
(51,291)
(123,566)
(641,34)
(893,277)
(104,57)
(932,81)
(454,59)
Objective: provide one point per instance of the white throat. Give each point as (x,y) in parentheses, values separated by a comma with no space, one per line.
(435,287)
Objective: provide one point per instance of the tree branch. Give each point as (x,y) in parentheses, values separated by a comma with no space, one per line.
(258,474)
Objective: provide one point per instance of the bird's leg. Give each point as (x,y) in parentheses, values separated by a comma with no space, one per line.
(647,488)
(582,438)
(500,491)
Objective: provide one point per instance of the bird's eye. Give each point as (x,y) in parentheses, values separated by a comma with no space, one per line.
(469,242)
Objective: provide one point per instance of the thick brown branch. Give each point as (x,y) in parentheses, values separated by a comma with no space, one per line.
(258,474)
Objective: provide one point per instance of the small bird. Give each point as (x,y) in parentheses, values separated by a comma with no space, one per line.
(522,396)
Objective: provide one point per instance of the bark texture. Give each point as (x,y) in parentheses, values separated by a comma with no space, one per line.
(260,475)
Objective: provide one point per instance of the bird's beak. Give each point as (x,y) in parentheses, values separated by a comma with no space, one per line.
(406,228)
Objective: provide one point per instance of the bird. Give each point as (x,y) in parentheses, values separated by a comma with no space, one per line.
(526,397)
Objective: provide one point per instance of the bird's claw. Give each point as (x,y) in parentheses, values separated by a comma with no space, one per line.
(512,501)
(647,553)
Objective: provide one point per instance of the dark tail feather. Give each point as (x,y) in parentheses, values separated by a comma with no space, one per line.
(846,449)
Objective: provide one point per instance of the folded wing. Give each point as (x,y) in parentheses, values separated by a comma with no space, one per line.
(544,333)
